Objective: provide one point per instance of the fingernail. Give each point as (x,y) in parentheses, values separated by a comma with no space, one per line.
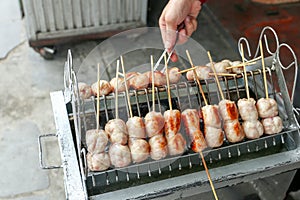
(188,19)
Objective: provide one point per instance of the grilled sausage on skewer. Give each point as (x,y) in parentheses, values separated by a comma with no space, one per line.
(201,71)
(226,61)
(214,136)
(220,67)
(233,130)
(267,108)
(136,127)
(98,161)
(120,155)
(253,129)
(140,81)
(158,147)
(228,110)
(174,76)
(105,88)
(198,143)
(213,132)
(209,64)
(96,140)
(154,123)
(237,70)
(211,117)
(247,109)
(176,144)
(121,84)
(116,125)
(117,131)
(272,125)
(130,75)
(172,122)
(139,149)
(118,137)
(159,78)
(191,121)
(85,91)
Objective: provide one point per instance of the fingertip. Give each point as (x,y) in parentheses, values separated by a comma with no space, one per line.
(187,19)
(182,32)
(174,57)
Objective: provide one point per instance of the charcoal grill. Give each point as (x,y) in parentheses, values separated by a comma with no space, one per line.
(184,175)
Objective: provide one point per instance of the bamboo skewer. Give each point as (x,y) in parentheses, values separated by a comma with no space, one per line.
(201,154)
(208,175)
(126,87)
(254,59)
(200,87)
(186,70)
(249,62)
(201,90)
(264,69)
(245,72)
(223,74)
(168,82)
(241,65)
(219,74)
(98,98)
(216,77)
(117,88)
(196,77)
(153,92)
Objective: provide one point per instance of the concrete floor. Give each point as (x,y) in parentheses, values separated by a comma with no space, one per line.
(25,106)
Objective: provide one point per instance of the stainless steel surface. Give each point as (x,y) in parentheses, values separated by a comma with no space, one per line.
(265,187)
(72,177)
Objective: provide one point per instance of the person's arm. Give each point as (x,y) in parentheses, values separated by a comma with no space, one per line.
(175,13)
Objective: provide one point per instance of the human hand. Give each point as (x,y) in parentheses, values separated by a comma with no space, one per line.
(175,13)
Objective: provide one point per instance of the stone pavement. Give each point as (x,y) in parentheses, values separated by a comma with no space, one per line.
(11,26)
(26,80)
(25,107)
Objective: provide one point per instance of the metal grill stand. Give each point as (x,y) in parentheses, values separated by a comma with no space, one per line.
(250,161)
